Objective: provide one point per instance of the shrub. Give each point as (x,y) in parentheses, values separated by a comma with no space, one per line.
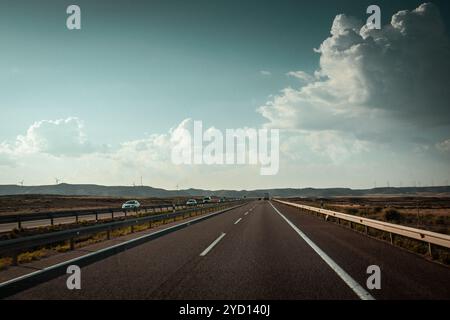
(393,215)
(352,211)
(440,220)
(364,212)
(377,209)
(5,263)
(62,248)
(30,256)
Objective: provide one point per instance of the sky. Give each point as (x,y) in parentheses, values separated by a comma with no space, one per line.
(355,107)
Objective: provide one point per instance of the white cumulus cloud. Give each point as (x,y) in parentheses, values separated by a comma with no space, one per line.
(61,137)
(385,85)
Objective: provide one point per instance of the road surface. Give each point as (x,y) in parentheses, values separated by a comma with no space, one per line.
(262,250)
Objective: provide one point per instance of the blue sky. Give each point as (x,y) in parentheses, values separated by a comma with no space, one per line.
(140,68)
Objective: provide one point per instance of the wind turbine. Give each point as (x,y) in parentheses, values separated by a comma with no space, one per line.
(57,181)
(21,183)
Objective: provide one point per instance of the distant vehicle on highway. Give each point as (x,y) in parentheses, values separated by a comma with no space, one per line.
(191,202)
(207,199)
(131,204)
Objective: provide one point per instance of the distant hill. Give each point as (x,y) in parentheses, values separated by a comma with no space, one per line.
(144,191)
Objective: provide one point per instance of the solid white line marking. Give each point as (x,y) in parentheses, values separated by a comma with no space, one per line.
(238,220)
(359,290)
(246,213)
(212,245)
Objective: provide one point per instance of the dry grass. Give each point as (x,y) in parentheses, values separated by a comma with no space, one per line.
(24,204)
(32,255)
(61,248)
(5,263)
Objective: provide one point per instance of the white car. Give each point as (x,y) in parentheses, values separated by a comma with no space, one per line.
(131,204)
(191,202)
(207,199)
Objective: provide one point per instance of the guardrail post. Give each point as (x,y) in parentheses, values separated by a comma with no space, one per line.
(52,221)
(391,237)
(112,214)
(430,250)
(15,259)
(96,217)
(76,218)
(19,223)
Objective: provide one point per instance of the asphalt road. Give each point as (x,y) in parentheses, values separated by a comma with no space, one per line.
(258,251)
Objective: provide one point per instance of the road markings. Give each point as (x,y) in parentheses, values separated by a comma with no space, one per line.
(246,213)
(359,290)
(212,245)
(121,245)
(238,220)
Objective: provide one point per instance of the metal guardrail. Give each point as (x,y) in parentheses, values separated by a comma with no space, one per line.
(20,218)
(32,279)
(432,238)
(13,247)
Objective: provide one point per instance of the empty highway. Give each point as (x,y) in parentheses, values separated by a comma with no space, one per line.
(262,250)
